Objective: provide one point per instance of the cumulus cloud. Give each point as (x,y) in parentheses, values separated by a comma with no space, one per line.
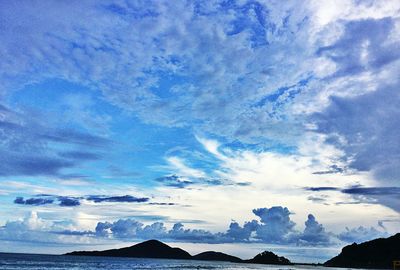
(242,234)
(34,229)
(314,232)
(275,226)
(361,234)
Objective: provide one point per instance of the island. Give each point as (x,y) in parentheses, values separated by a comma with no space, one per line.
(215,256)
(158,250)
(268,257)
(147,249)
(379,253)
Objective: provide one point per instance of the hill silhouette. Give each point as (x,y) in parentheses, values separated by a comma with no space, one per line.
(158,250)
(268,257)
(378,253)
(215,256)
(147,249)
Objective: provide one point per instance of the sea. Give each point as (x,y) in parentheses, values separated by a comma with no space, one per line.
(11,261)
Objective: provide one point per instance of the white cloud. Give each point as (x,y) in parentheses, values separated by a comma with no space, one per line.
(178,166)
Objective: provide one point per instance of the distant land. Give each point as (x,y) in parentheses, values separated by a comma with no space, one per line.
(159,250)
(215,256)
(147,249)
(379,253)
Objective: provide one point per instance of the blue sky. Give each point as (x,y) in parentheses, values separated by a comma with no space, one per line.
(230,125)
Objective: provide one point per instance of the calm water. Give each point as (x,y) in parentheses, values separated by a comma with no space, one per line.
(28,261)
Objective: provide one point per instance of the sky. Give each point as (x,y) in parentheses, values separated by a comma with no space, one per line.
(236,126)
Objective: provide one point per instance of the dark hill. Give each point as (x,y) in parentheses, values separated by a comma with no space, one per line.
(157,249)
(268,257)
(378,253)
(147,249)
(215,256)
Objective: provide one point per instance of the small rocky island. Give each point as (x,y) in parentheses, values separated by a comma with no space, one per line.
(268,257)
(379,253)
(158,250)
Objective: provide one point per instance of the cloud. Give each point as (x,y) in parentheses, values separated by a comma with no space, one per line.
(275,227)
(28,145)
(183,182)
(333,169)
(317,199)
(321,188)
(388,196)
(314,232)
(240,42)
(276,224)
(121,228)
(361,234)
(43,199)
(373,190)
(247,72)
(80,155)
(33,165)
(361,116)
(174,181)
(365,45)
(369,126)
(33,201)
(34,229)
(125,198)
(242,234)
(67,201)
(76,137)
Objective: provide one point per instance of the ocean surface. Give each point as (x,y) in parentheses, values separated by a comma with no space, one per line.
(11,261)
